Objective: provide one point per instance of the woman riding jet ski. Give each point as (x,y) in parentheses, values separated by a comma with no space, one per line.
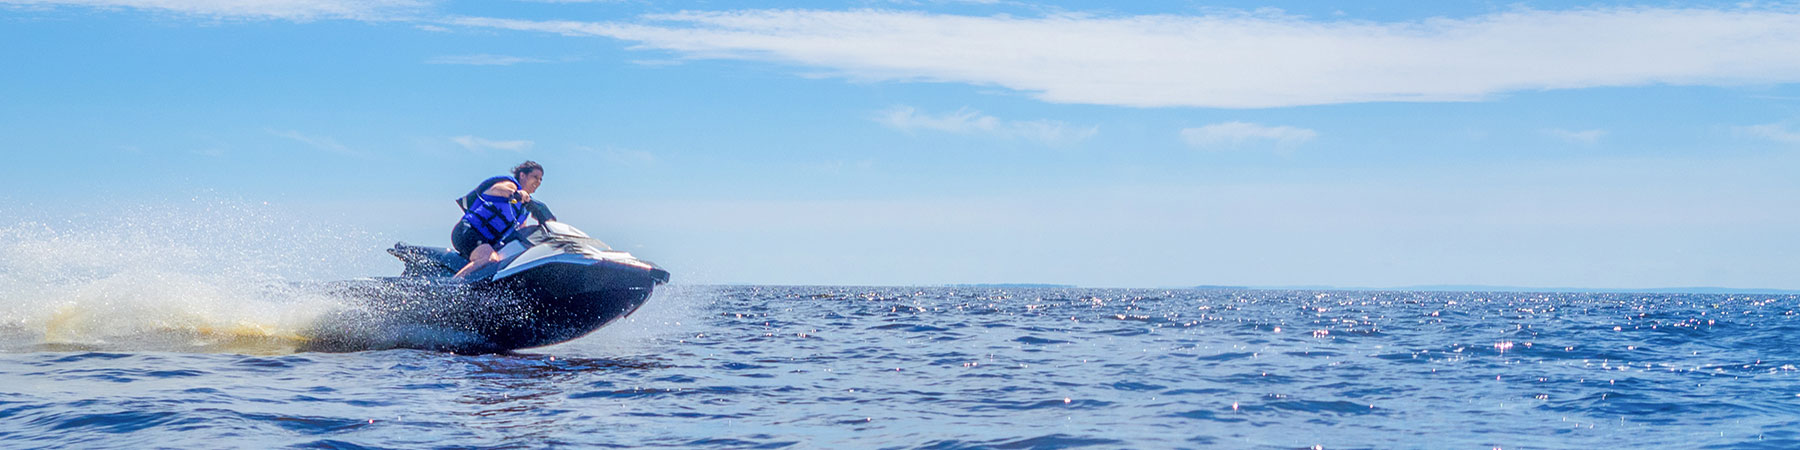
(493,210)
(544,284)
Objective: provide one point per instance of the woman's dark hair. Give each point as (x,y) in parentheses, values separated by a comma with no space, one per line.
(526,167)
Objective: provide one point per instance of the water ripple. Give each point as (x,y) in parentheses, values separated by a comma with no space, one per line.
(852,367)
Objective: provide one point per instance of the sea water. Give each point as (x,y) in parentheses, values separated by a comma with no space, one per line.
(939,367)
(123,336)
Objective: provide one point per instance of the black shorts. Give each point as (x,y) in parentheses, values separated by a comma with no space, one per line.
(465,239)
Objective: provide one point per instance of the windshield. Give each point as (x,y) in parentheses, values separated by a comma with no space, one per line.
(536,235)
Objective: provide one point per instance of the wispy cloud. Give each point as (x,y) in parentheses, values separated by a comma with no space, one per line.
(1774,131)
(656,62)
(1238,59)
(622,156)
(1230,59)
(951,2)
(840,167)
(963,120)
(1589,137)
(968,121)
(483,60)
(297,10)
(322,143)
(479,144)
(1238,134)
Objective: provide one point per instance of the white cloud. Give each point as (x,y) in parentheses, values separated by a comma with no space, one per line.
(950,2)
(656,62)
(1051,131)
(840,167)
(1237,134)
(479,144)
(962,121)
(482,60)
(1240,60)
(1773,131)
(622,156)
(299,10)
(322,143)
(1589,137)
(967,121)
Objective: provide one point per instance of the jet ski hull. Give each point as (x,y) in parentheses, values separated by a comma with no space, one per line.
(550,301)
(569,301)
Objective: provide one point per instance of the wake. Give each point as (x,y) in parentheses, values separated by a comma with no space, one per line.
(175,277)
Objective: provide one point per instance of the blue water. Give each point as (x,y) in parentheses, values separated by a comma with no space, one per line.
(858,367)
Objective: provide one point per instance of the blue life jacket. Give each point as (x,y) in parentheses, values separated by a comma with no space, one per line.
(493,217)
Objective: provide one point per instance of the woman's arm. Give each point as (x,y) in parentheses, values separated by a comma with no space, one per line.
(506,189)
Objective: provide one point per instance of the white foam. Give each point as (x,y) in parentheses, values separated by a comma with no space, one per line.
(187,275)
(669,315)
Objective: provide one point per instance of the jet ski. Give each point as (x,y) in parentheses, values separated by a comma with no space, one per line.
(553,284)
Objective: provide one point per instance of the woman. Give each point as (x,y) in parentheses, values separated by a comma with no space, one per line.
(491,212)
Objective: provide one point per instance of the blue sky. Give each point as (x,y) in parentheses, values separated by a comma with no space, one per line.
(1154,144)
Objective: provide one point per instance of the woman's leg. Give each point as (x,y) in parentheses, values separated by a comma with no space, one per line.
(464,240)
(482,255)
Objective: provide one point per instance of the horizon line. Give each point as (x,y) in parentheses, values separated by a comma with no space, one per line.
(1706,290)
